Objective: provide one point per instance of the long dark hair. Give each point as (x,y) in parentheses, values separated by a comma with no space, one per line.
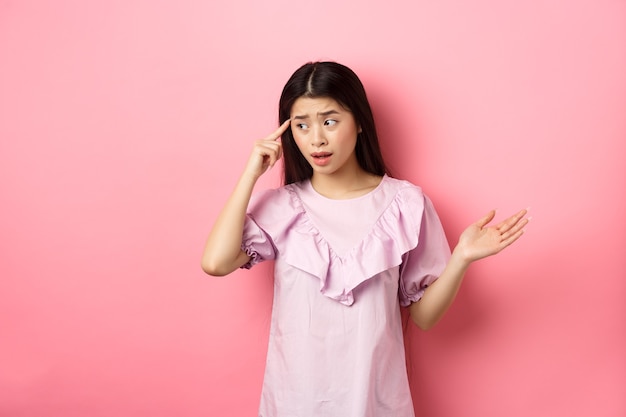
(329,79)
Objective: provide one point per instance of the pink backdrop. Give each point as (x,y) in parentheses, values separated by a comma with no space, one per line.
(124,125)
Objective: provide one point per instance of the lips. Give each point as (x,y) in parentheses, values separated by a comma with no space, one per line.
(321,158)
(321,154)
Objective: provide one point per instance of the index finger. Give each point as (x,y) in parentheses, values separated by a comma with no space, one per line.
(278,132)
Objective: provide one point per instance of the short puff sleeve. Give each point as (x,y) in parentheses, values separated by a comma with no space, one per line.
(269,217)
(422,265)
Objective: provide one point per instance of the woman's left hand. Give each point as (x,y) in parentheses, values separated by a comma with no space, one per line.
(479,240)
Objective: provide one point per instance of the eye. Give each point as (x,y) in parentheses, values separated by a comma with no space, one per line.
(302,126)
(330,122)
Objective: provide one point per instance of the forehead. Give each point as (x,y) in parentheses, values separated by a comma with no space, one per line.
(311,106)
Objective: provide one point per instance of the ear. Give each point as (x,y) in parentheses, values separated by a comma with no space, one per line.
(360,130)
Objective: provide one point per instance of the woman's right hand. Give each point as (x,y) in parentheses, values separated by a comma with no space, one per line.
(222,252)
(266,152)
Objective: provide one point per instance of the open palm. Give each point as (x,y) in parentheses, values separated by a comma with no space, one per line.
(479,240)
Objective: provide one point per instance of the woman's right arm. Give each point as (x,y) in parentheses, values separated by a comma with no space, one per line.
(222,252)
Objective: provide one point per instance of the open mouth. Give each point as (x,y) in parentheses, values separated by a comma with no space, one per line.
(321,158)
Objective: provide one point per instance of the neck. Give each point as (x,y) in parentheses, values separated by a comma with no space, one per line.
(345,184)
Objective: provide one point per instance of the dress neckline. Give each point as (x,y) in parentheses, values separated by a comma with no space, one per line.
(310,189)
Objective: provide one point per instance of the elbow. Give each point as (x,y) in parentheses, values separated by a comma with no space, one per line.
(425,326)
(213,268)
(219,265)
(423,321)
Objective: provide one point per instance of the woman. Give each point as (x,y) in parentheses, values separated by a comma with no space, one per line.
(351,245)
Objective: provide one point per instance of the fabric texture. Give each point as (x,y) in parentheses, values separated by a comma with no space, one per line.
(342,270)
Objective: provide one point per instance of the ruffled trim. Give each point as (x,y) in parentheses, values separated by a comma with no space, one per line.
(255,258)
(394,233)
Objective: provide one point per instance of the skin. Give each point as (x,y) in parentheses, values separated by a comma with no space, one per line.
(323,128)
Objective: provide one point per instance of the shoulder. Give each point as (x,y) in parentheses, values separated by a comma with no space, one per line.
(403,191)
(275,202)
(415,206)
(409,203)
(277,211)
(400,184)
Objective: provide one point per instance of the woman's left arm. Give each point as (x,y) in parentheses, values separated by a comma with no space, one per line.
(476,242)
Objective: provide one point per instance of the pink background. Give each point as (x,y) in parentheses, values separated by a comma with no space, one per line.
(124,125)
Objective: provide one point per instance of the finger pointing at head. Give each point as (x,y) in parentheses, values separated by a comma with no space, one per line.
(278,132)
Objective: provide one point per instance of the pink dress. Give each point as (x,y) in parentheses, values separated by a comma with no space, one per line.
(342,270)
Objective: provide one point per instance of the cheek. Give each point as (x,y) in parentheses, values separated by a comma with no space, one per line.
(348,139)
(299,142)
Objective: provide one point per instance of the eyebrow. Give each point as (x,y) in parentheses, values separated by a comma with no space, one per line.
(323,114)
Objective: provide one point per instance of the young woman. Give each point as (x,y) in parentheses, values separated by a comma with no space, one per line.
(351,245)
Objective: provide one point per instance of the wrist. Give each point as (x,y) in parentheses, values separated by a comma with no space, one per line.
(249,178)
(460,258)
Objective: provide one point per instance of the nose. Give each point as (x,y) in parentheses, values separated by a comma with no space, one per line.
(318,138)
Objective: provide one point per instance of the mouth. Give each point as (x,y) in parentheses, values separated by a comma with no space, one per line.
(321,158)
(321,154)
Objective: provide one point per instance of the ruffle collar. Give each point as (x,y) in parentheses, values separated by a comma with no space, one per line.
(394,233)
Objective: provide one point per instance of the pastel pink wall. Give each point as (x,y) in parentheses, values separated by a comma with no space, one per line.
(124,124)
